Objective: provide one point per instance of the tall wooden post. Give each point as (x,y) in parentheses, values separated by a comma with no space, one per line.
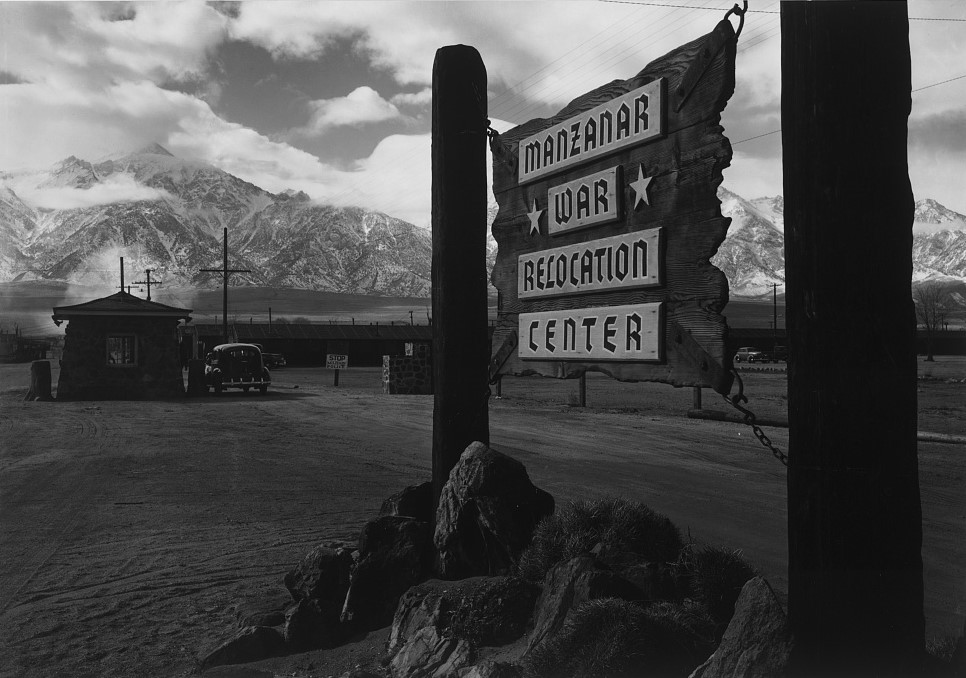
(461,348)
(225,271)
(854,516)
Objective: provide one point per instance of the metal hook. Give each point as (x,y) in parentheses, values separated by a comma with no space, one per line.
(740,11)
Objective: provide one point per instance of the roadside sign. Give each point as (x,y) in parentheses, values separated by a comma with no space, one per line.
(336,361)
(608,219)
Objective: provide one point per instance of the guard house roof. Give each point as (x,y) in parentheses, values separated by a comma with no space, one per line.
(256,333)
(120,303)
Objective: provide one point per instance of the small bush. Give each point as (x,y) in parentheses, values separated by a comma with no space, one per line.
(612,638)
(714,578)
(621,526)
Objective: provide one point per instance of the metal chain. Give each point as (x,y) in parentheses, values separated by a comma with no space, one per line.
(749,418)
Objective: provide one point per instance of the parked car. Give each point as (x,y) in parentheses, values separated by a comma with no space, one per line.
(236,366)
(273,360)
(750,354)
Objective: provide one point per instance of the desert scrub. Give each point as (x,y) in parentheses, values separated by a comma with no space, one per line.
(613,638)
(621,527)
(714,577)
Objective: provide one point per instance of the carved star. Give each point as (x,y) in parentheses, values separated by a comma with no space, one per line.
(535,218)
(640,188)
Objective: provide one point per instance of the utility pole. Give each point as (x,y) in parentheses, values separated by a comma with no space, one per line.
(855,577)
(226,272)
(147,281)
(774,324)
(122,277)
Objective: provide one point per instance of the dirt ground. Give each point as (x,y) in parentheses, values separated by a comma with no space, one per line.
(131,531)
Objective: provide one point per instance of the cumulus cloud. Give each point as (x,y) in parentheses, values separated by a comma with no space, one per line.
(420,99)
(361,106)
(114,189)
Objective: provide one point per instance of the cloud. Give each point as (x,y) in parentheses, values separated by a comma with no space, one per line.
(420,99)
(361,106)
(93,45)
(114,189)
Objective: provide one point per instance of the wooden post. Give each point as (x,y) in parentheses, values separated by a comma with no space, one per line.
(39,381)
(696,398)
(854,516)
(461,345)
(335,379)
(583,389)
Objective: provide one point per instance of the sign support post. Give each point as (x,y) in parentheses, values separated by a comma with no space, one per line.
(461,347)
(854,515)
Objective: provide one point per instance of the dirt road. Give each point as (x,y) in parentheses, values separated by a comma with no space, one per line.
(130,531)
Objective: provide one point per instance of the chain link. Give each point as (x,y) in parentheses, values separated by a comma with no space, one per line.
(749,418)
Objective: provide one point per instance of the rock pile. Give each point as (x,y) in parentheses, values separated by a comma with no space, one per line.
(505,588)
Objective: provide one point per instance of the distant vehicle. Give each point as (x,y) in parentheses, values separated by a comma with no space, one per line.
(273,360)
(236,366)
(750,354)
(780,353)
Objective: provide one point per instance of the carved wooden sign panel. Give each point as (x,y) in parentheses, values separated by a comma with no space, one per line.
(608,219)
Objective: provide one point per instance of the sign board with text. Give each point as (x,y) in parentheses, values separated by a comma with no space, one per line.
(608,219)
(336,361)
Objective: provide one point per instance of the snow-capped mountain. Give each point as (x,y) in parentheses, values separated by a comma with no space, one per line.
(168,214)
(753,254)
(157,211)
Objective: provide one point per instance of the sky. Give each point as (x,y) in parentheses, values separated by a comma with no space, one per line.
(333,98)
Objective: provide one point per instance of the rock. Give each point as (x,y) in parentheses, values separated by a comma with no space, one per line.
(323,575)
(248,645)
(393,556)
(429,655)
(570,584)
(757,642)
(486,514)
(309,626)
(491,669)
(415,501)
(486,611)
(267,610)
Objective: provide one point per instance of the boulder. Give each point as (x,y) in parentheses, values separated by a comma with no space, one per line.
(309,626)
(567,586)
(415,501)
(757,642)
(427,654)
(486,514)
(248,645)
(393,556)
(322,575)
(265,610)
(486,611)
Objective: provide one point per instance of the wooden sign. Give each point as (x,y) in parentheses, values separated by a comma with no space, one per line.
(624,261)
(335,361)
(608,333)
(608,219)
(585,202)
(623,121)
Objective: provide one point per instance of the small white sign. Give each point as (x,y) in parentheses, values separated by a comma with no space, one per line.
(336,361)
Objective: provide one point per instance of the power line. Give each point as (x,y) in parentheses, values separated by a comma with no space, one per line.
(936,84)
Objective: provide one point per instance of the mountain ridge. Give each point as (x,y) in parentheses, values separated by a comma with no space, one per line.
(168,214)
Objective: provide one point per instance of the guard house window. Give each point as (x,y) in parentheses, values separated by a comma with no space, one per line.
(122,350)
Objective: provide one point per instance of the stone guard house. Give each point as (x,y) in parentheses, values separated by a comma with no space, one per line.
(120,347)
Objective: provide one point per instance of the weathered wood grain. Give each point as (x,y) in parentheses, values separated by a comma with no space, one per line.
(686,168)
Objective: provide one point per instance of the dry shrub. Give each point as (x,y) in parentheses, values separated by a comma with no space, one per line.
(613,638)
(621,526)
(714,578)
